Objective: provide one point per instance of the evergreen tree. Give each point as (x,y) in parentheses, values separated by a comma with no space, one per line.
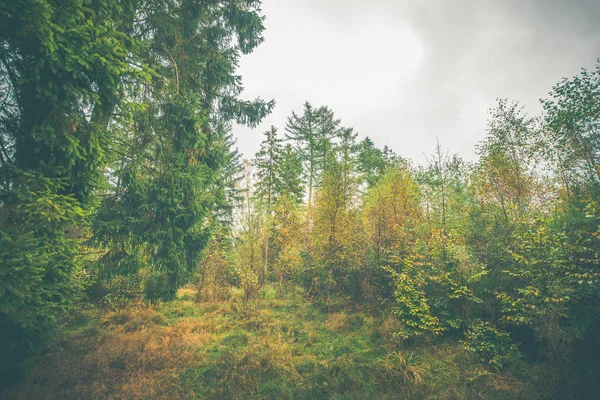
(327,130)
(311,134)
(230,176)
(266,164)
(346,149)
(65,68)
(163,207)
(372,162)
(289,171)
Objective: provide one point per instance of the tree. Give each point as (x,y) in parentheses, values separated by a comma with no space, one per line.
(42,271)
(503,191)
(372,162)
(335,243)
(573,126)
(248,240)
(289,171)
(327,127)
(64,72)
(311,134)
(392,212)
(442,188)
(287,234)
(505,159)
(267,181)
(346,152)
(229,177)
(211,276)
(266,164)
(161,213)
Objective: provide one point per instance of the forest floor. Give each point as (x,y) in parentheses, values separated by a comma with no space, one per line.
(281,348)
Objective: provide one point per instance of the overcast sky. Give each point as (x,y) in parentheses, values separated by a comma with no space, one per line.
(407,71)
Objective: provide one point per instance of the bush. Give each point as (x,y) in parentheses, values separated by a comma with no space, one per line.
(492,346)
(116,293)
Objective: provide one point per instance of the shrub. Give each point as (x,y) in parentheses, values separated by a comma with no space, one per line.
(492,346)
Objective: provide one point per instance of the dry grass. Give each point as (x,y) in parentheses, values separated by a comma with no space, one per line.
(396,367)
(137,356)
(337,322)
(276,349)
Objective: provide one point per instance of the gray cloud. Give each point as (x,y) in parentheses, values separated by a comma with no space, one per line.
(405,72)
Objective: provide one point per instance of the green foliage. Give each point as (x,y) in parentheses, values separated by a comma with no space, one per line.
(118,115)
(436,286)
(131,101)
(266,169)
(42,273)
(286,234)
(229,176)
(290,175)
(391,212)
(412,305)
(213,276)
(492,346)
(548,290)
(311,133)
(573,118)
(374,162)
(118,292)
(335,239)
(171,185)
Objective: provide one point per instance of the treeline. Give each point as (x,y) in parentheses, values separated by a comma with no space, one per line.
(502,252)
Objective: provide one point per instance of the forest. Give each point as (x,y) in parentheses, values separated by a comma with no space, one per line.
(142,257)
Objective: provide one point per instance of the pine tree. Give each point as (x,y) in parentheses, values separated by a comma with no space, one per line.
(266,163)
(267,179)
(164,207)
(230,176)
(327,130)
(289,172)
(65,68)
(346,152)
(311,134)
(372,162)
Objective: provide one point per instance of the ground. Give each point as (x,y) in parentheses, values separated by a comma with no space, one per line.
(273,349)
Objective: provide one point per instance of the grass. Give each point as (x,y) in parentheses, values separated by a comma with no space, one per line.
(280,349)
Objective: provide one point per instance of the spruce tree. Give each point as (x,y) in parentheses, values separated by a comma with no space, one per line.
(346,149)
(372,163)
(289,172)
(65,68)
(162,214)
(311,134)
(229,180)
(266,163)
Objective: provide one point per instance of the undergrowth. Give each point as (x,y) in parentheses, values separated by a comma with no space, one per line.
(274,349)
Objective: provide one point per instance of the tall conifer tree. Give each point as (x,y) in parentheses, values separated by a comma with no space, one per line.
(311,134)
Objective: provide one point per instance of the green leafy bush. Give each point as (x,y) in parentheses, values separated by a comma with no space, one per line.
(492,346)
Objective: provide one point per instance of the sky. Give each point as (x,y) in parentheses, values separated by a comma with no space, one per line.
(409,72)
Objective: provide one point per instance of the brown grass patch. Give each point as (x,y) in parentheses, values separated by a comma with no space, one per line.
(136,357)
(337,322)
